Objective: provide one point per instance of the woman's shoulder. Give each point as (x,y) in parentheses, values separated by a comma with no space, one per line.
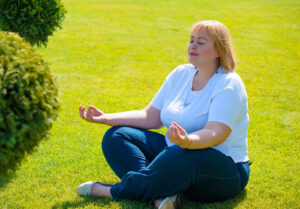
(183,69)
(230,79)
(186,66)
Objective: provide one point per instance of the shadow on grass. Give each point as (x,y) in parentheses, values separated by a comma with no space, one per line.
(88,201)
(128,204)
(228,204)
(5,179)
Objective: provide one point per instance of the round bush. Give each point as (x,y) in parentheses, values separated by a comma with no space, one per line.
(34,20)
(28,100)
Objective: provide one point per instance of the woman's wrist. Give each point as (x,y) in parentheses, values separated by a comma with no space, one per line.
(104,119)
(190,141)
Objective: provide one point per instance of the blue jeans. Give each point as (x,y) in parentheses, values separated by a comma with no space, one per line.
(150,170)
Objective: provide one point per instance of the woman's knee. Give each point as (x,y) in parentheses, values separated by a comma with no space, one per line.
(108,138)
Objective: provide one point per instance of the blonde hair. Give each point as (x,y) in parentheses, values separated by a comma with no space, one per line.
(219,33)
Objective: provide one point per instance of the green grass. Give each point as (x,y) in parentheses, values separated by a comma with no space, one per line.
(116,54)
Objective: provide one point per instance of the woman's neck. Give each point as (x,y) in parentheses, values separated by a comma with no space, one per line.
(201,78)
(204,73)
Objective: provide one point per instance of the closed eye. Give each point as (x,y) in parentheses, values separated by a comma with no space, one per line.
(198,42)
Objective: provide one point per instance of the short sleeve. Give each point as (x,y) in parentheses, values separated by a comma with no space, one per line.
(158,100)
(226,106)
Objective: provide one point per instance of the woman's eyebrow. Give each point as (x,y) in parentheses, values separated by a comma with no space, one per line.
(199,37)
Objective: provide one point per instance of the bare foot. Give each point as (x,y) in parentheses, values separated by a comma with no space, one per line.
(158,202)
(99,190)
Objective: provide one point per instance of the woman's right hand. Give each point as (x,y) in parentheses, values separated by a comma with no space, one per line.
(92,115)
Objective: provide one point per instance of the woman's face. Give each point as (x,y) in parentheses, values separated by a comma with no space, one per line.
(201,49)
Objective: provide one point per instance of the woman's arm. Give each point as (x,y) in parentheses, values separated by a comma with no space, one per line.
(147,118)
(214,133)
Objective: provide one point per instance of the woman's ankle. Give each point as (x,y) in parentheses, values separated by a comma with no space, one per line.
(99,190)
(157,202)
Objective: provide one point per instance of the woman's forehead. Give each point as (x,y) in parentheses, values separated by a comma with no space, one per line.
(200,33)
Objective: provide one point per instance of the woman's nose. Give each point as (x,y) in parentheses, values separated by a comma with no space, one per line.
(194,47)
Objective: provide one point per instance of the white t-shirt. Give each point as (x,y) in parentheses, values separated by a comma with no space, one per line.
(223,99)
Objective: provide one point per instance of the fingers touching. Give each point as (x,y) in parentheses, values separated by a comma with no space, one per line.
(178,135)
(86,115)
(81,111)
(89,113)
(174,131)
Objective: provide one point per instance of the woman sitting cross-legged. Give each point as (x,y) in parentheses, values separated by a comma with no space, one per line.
(204,155)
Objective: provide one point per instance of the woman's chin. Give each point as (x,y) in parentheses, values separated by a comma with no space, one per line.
(192,61)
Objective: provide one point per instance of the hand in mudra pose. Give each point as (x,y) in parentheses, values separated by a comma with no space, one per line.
(92,115)
(178,135)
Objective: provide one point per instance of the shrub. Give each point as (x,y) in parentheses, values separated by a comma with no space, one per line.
(34,20)
(28,100)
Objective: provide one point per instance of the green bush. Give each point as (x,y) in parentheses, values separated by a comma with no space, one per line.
(28,100)
(34,20)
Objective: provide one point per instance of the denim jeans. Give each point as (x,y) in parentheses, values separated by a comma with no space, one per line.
(151,170)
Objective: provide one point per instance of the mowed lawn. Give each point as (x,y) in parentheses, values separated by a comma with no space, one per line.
(116,55)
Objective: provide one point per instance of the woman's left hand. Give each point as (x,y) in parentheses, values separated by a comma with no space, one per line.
(178,135)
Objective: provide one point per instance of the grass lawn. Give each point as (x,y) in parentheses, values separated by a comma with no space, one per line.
(116,55)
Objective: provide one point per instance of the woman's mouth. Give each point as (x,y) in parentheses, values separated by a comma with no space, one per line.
(193,54)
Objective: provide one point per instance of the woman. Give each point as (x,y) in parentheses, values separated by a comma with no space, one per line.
(204,155)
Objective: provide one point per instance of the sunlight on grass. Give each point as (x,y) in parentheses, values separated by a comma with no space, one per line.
(116,54)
